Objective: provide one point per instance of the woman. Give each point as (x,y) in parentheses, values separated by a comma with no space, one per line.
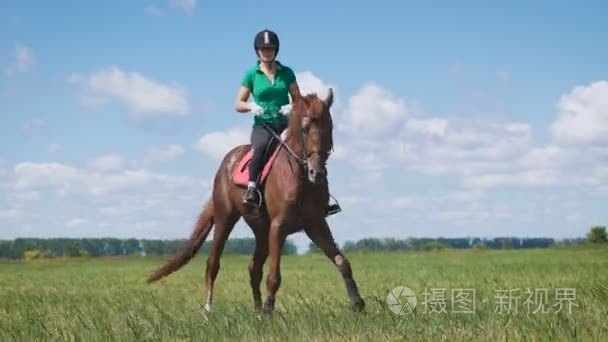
(271,83)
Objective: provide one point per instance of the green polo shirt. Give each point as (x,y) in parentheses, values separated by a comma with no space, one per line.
(269,95)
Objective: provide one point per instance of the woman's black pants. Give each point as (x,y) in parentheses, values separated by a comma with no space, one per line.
(263,144)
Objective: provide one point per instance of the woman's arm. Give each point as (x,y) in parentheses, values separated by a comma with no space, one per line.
(241,104)
(294,90)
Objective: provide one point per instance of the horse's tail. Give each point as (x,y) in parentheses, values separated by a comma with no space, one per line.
(190,247)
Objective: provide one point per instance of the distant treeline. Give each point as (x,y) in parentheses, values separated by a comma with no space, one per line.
(392,244)
(35,248)
(32,248)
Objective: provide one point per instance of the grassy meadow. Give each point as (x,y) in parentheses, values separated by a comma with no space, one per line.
(107,298)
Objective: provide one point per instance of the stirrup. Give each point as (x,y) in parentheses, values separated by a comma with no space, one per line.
(259,197)
(333,208)
(259,204)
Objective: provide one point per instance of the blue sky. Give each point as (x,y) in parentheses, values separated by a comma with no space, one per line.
(470,119)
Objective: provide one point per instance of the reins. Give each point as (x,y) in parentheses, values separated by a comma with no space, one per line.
(300,160)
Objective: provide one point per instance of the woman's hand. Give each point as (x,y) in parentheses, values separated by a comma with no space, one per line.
(256,109)
(286,109)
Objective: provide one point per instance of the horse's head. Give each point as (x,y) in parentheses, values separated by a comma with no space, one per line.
(311,128)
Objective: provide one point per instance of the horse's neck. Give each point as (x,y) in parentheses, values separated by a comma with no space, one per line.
(294,155)
(294,141)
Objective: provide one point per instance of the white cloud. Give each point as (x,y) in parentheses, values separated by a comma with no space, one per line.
(154,11)
(365,180)
(107,163)
(25,60)
(503,76)
(143,96)
(483,155)
(187,6)
(217,144)
(383,134)
(373,111)
(130,206)
(93,100)
(114,211)
(464,216)
(525,178)
(76,222)
(101,184)
(29,176)
(10,215)
(597,177)
(340,152)
(465,144)
(66,179)
(583,115)
(352,199)
(310,83)
(456,70)
(488,156)
(24,196)
(544,157)
(163,153)
(433,126)
(370,161)
(54,147)
(468,195)
(33,125)
(405,202)
(464,149)
(383,137)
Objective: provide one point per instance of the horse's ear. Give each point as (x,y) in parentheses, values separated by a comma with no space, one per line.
(329,98)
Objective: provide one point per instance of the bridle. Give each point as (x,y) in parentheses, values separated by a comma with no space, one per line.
(303,159)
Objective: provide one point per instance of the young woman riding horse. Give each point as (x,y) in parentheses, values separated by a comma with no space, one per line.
(270,83)
(296,194)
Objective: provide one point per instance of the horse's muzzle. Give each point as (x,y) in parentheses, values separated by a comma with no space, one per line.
(316,171)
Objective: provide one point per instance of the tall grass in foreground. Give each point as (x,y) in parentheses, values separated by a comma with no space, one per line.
(107,299)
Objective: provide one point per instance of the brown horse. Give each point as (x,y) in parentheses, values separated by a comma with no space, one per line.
(295,197)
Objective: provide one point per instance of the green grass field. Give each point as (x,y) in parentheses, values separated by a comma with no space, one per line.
(107,299)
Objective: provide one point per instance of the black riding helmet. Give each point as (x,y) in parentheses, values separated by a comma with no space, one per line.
(266,38)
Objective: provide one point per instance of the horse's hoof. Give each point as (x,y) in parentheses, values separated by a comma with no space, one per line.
(266,310)
(268,307)
(205,312)
(359,305)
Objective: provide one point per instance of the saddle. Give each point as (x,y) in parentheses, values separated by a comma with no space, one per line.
(240,175)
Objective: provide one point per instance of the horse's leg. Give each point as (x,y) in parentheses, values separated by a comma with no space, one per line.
(321,235)
(276,239)
(256,264)
(223,226)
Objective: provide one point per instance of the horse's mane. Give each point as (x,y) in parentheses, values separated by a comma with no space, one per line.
(311,106)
